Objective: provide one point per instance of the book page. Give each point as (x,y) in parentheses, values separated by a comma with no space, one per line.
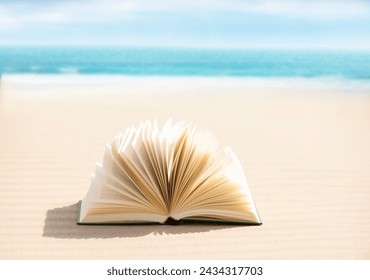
(178,172)
(130,162)
(222,194)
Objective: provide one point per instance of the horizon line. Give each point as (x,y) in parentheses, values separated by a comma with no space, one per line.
(277,47)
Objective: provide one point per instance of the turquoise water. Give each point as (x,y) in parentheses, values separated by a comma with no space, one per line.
(185,62)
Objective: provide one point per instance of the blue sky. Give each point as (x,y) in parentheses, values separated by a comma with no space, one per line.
(190,23)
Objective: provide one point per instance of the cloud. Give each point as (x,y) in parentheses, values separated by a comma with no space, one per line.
(14,14)
(328,9)
(7,21)
(185,22)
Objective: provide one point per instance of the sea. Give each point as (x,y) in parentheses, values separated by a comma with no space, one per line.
(140,61)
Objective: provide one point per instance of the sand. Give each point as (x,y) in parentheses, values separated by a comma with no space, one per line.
(304,146)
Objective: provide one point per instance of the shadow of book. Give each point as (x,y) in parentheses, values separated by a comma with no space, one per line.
(62,223)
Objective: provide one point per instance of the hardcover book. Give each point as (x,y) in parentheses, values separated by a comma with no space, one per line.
(167,175)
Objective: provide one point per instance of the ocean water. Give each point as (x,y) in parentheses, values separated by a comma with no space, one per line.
(185,62)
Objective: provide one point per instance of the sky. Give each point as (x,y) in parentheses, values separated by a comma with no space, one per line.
(188,23)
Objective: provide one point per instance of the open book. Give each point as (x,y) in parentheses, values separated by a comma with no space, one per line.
(167,175)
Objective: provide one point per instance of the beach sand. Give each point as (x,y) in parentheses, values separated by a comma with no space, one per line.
(303,145)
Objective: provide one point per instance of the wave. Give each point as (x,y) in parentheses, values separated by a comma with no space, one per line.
(68,70)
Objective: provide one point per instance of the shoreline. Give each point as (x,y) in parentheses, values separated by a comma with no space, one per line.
(96,83)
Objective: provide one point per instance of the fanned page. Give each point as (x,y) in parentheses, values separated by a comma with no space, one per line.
(153,175)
